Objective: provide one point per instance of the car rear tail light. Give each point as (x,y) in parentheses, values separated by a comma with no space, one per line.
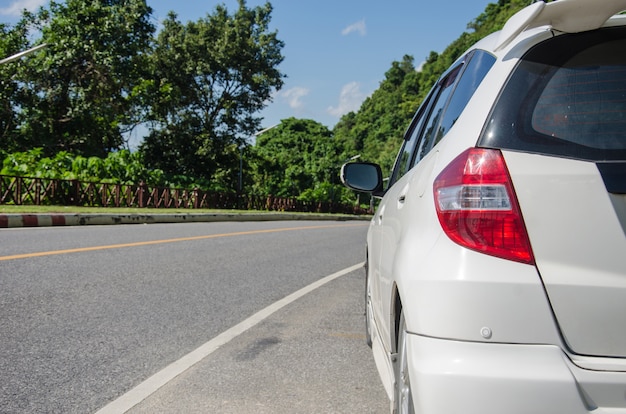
(477,207)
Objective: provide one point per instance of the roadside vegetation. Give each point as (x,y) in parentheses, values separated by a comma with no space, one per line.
(194,91)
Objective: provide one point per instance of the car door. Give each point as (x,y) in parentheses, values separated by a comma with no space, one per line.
(395,204)
(382,230)
(412,169)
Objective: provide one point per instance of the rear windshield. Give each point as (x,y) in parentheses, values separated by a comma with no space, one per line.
(567,97)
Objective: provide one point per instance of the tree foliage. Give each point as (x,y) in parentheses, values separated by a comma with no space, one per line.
(82,88)
(12,41)
(298,157)
(212,77)
(121,167)
(373,131)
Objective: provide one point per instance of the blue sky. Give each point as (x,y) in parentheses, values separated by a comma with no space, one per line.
(336,51)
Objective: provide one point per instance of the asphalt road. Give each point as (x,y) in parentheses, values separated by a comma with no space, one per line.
(90,313)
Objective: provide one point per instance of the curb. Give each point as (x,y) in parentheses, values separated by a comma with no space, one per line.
(47,220)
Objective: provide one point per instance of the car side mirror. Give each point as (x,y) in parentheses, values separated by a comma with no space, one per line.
(363,176)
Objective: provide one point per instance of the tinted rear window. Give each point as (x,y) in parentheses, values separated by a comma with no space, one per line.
(567,97)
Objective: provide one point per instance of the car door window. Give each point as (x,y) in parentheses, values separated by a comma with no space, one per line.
(456,89)
(432,125)
(441,109)
(475,70)
(404,159)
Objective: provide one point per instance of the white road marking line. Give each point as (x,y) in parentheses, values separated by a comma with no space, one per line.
(161,378)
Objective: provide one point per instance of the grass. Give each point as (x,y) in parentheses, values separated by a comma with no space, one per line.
(30,209)
(12,209)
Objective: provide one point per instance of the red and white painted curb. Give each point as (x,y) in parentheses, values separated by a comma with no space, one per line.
(32,220)
(47,220)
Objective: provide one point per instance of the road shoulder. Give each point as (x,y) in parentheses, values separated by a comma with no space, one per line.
(309,357)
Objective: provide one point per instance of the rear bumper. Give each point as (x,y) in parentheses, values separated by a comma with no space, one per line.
(469,377)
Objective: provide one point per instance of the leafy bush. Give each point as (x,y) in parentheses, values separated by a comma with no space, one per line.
(120,167)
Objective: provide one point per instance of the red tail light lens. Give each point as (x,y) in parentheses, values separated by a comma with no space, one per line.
(477,207)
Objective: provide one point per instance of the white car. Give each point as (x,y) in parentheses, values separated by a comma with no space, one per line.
(496,259)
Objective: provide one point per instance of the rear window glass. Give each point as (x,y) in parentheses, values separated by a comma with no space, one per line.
(567,97)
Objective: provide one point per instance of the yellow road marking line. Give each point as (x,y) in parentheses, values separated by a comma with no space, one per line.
(153,242)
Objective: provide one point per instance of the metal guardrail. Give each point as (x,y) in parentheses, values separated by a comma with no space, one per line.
(44,191)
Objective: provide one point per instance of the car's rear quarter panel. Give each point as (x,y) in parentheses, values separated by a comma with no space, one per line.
(579,246)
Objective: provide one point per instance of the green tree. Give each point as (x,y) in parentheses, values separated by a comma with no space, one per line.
(212,77)
(12,41)
(84,86)
(297,157)
(377,128)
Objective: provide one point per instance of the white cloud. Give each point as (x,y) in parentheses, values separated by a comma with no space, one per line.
(294,97)
(350,99)
(358,27)
(16,8)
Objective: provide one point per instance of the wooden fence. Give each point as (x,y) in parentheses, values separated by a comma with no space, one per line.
(43,191)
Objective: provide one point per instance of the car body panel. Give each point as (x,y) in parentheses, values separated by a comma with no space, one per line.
(453,297)
(382,359)
(579,246)
(469,377)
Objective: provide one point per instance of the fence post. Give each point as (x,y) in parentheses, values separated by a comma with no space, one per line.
(76,195)
(141,196)
(196,198)
(18,191)
(118,188)
(37,190)
(104,189)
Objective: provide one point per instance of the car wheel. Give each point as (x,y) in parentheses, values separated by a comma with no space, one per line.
(368,308)
(403,397)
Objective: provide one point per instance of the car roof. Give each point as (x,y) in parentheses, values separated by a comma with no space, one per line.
(567,16)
